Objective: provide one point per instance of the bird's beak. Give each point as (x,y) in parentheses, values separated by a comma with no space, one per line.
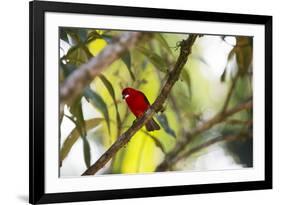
(125,96)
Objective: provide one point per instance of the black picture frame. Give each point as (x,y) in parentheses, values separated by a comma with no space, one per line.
(37,192)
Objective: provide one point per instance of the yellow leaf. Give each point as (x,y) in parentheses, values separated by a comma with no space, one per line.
(95,47)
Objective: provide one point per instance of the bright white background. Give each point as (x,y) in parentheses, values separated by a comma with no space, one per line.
(14,100)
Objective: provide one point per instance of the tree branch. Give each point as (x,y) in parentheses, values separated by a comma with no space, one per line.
(173,76)
(198,130)
(208,143)
(81,77)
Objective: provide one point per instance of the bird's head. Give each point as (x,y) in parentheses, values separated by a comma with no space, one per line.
(128,92)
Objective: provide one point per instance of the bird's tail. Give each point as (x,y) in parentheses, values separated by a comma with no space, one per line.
(151,125)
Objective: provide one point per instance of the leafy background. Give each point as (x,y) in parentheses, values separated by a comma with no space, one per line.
(99,115)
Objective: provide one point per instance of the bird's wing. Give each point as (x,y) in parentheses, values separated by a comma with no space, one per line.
(144,97)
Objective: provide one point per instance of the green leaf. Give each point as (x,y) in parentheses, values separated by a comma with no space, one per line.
(154,58)
(77,34)
(82,33)
(67,69)
(74,136)
(126,58)
(222,78)
(93,35)
(244,53)
(96,100)
(230,55)
(110,89)
(185,76)
(86,151)
(79,52)
(63,35)
(77,56)
(107,38)
(162,41)
(76,110)
(162,119)
(108,85)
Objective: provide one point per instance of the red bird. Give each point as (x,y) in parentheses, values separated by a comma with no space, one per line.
(138,104)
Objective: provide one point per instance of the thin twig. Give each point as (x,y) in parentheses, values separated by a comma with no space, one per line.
(71,119)
(243,134)
(220,117)
(206,144)
(173,76)
(239,122)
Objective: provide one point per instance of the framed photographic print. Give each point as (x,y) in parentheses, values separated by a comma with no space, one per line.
(140,102)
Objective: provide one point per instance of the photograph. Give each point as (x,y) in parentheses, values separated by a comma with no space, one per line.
(130,102)
(156,102)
